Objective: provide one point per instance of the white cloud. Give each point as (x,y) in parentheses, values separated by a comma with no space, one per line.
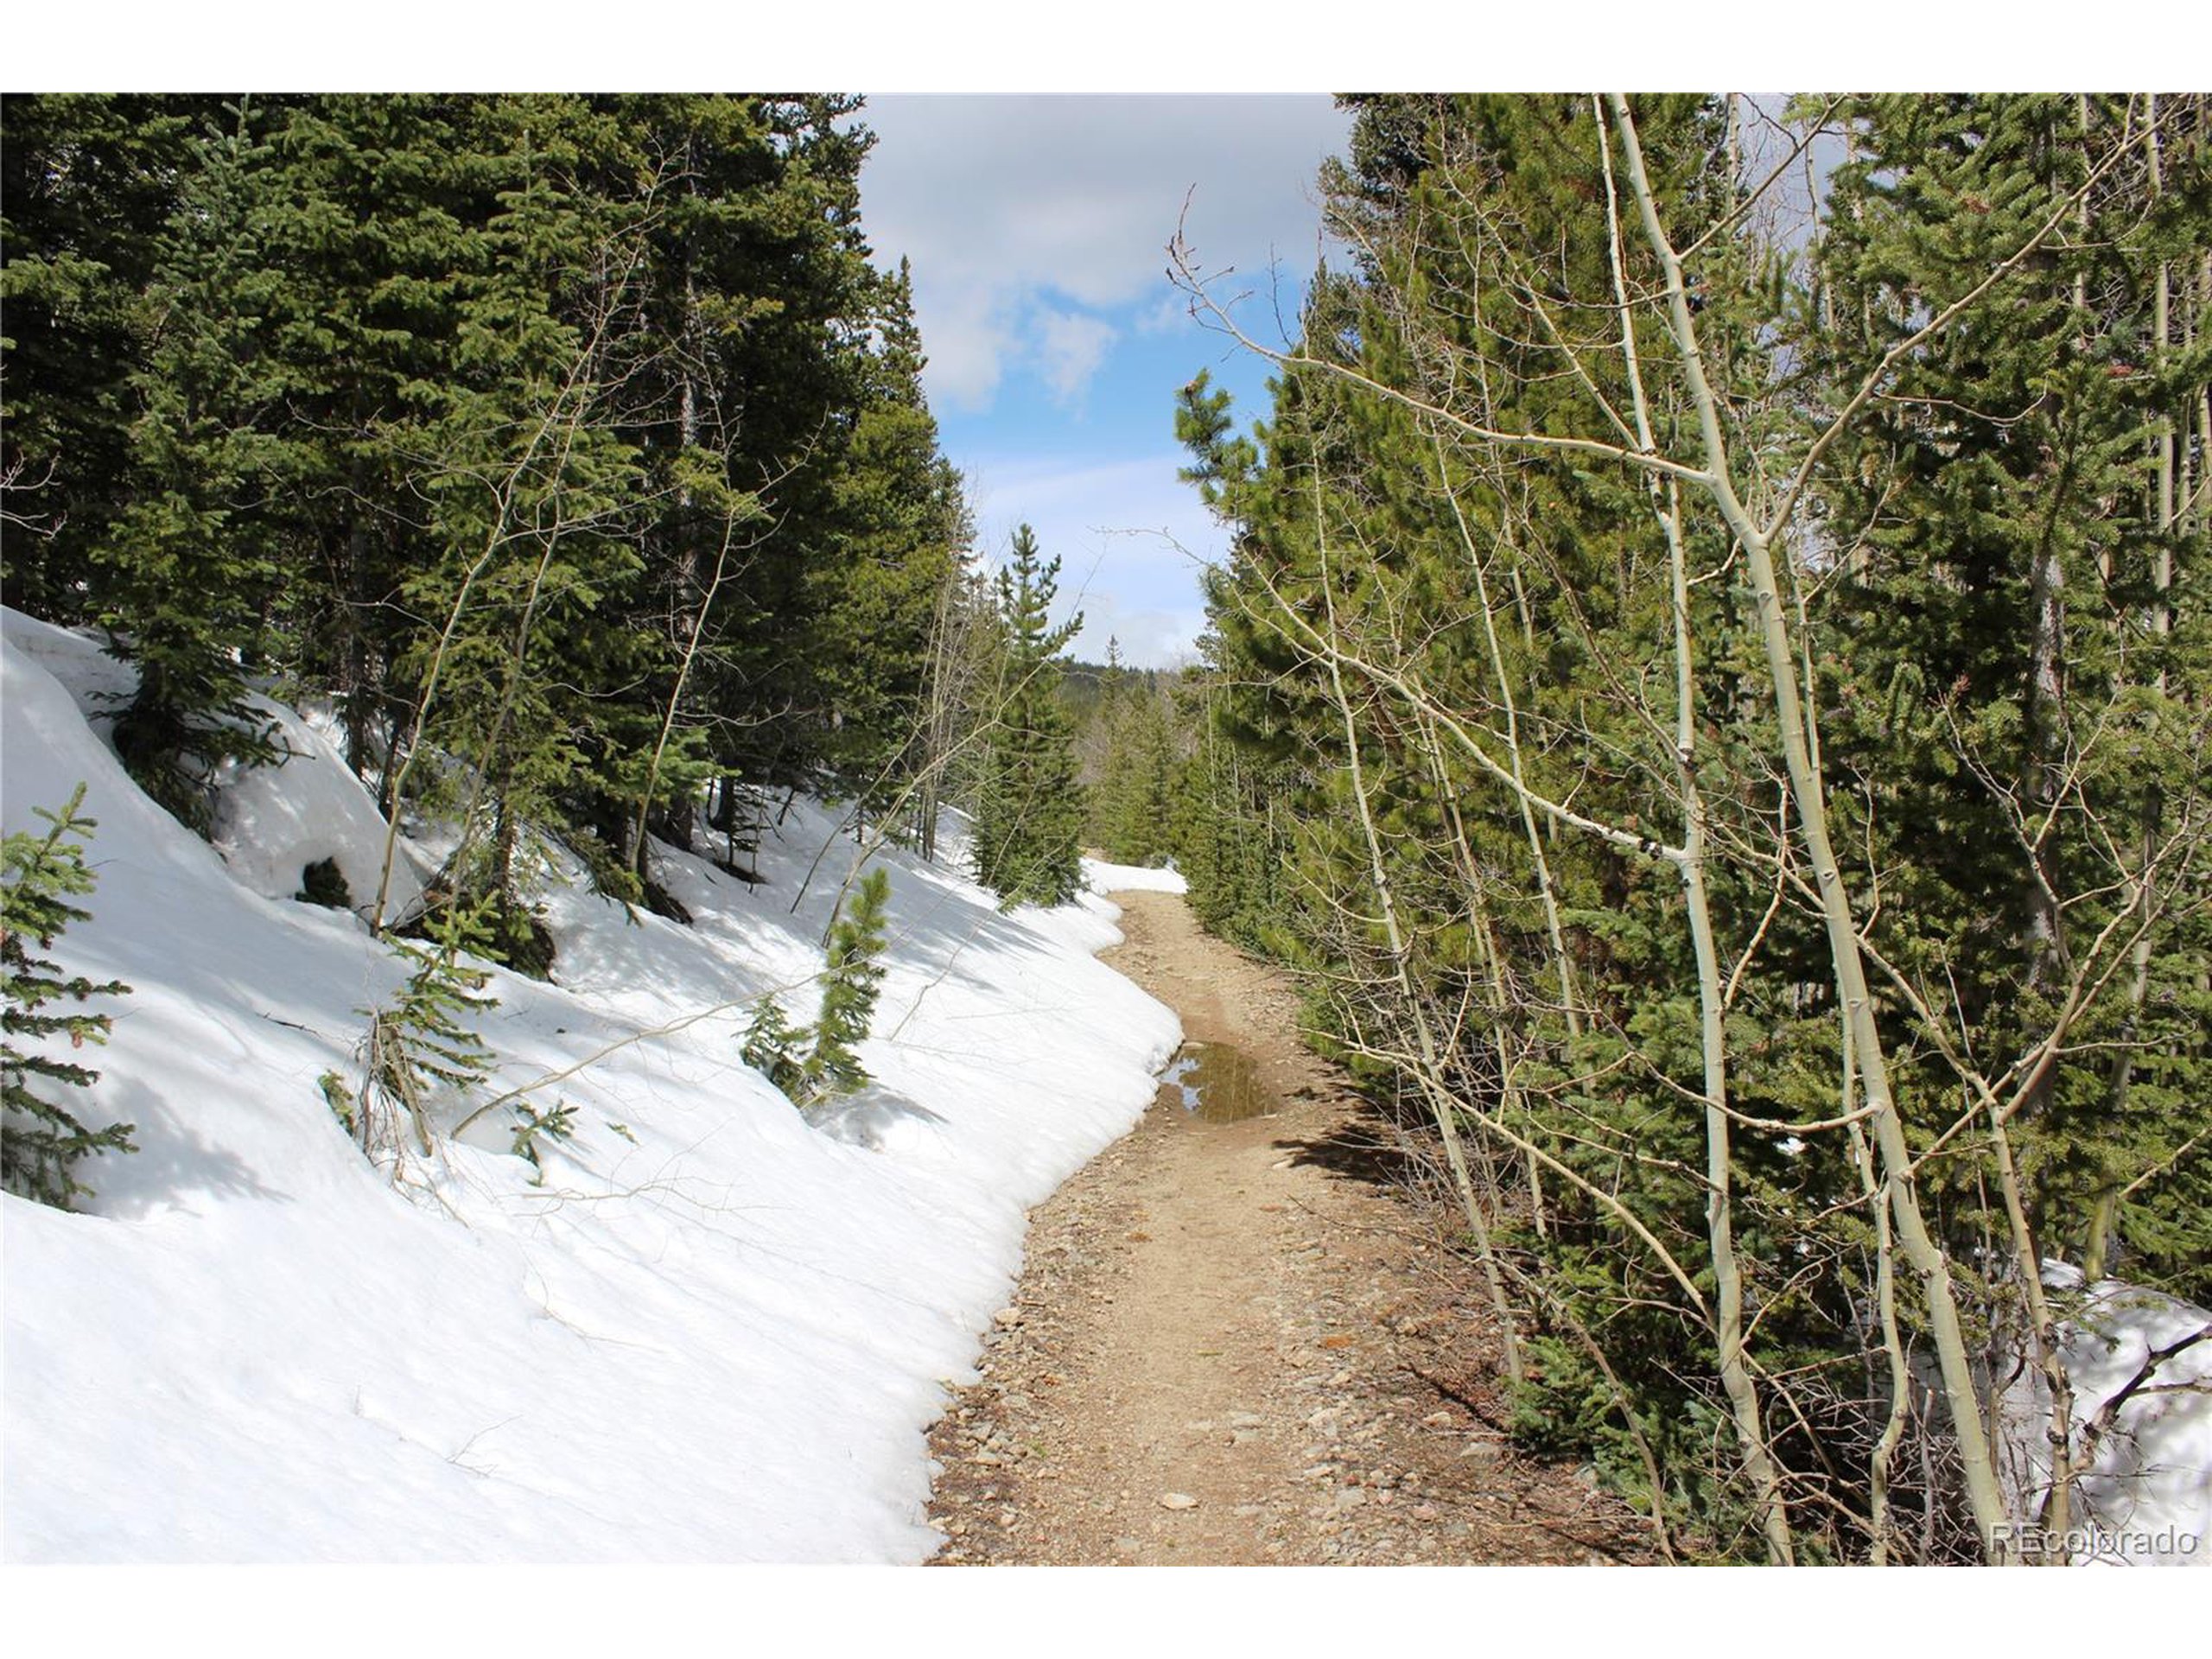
(1002,202)
(1072,344)
(966,341)
(1168,314)
(1144,638)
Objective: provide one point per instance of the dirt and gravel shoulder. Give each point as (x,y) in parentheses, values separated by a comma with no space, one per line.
(1240,1343)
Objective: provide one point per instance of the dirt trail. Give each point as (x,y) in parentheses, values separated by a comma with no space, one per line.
(1237,1344)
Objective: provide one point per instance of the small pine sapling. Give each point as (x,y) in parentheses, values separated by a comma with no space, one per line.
(850,984)
(773,1046)
(43,1140)
(421,1043)
(812,1064)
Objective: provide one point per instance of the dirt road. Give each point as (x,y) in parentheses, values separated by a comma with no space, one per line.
(1238,1343)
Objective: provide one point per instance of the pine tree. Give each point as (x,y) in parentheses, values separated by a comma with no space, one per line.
(851,981)
(193,562)
(83,180)
(819,1062)
(2010,672)
(425,1039)
(1029,812)
(43,1140)
(1133,802)
(1393,579)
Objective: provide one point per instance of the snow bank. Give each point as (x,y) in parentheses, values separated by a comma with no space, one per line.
(2146,1497)
(715,1334)
(272,821)
(1101,877)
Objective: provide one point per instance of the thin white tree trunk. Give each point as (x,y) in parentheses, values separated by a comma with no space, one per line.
(1810,802)
(1728,1274)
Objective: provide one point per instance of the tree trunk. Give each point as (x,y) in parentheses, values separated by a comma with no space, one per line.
(1809,799)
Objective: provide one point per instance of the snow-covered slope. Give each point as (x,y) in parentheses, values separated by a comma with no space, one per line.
(715,1333)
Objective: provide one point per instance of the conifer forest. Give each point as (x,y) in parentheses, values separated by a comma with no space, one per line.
(1708,695)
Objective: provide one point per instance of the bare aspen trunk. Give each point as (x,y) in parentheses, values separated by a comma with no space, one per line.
(1728,1274)
(944,690)
(674,706)
(2046,712)
(353,655)
(1885,1303)
(408,743)
(2043,1336)
(1809,804)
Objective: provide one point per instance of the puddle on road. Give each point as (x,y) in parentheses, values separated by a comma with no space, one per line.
(1215,1082)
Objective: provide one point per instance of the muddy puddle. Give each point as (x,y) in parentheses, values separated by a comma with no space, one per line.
(1215,1082)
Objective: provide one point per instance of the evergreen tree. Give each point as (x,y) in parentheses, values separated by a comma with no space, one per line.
(852,979)
(1132,800)
(576,439)
(192,561)
(85,181)
(372,227)
(532,505)
(43,1140)
(1396,591)
(774,1047)
(2012,672)
(820,1062)
(1457,594)
(424,1041)
(1029,811)
(897,520)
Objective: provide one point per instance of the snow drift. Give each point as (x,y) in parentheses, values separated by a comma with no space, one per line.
(715,1332)
(2141,1375)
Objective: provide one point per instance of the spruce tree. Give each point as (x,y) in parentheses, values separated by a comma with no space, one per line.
(43,1140)
(820,1062)
(373,224)
(86,180)
(527,603)
(192,561)
(773,1046)
(423,1042)
(1029,812)
(851,981)
(1133,802)
(577,439)
(2011,676)
(897,520)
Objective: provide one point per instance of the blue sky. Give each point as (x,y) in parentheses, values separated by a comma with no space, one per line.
(1037,227)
